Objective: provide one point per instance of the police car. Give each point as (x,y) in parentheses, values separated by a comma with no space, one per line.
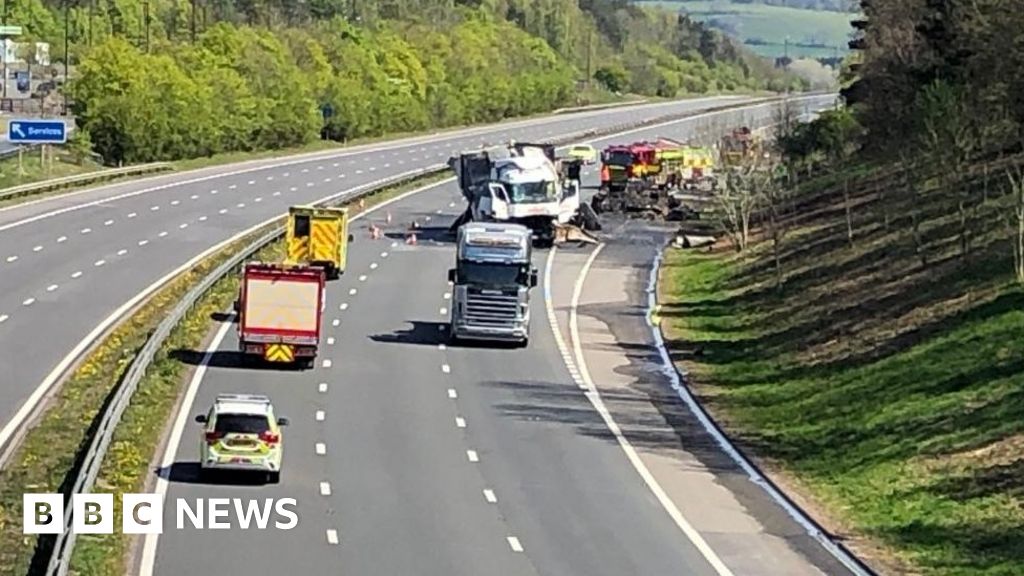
(242,434)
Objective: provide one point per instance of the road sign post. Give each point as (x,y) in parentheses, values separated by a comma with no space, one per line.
(37,132)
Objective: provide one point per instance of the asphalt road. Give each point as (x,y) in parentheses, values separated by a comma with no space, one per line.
(409,457)
(70,264)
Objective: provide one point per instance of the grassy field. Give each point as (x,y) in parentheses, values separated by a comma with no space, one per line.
(771,25)
(888,394)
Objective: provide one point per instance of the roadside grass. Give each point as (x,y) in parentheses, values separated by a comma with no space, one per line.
(54,446)
(33,169)
(887,396)
(771,25)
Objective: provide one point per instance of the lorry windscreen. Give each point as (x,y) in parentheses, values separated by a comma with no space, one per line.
(532,192)
(492,273)
(618,158)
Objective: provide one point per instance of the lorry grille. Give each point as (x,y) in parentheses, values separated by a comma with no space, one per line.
(491,309)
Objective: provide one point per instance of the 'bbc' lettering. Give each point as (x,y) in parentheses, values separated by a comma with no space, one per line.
(144,513)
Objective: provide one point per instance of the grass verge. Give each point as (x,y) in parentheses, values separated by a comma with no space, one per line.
(884,394)
(52,448)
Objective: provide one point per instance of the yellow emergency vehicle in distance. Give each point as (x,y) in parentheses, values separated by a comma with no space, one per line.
(318,237)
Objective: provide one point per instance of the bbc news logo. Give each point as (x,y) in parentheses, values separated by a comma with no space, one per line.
(144,513)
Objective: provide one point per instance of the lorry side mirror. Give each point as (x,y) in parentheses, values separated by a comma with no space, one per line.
(451,275)
(533,278)
(201,418)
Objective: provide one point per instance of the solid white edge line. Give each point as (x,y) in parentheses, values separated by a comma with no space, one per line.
(756,476)
(51,379)
(594,397)
(148,560)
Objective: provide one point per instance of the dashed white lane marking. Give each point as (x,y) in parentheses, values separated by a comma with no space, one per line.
(383,254)
(278,193)
(99,263)
(213,191)
(241,204)
(293,189)
(3,318)
(446,368)
(325,488)
(387,165)
(472,455)
(336,322)
(362,278)
(76,275)
(202,218)
(343,306)
(330,340)
(108,222)
(133,214)
(194,197)
(86,230)
(37,249)
(328,179)
(322,387)
(373,265)
(451,204)
(222,211)
(309,184)
(62,239)
(321,448)
(442,347)
(320,415)
(12,258)
(332,536)
(320,167)
(439,211)
(175,202)
(183,226)
(513,542)
(327,363)
(373,168)
(335,165)
(162,234)
(154,208)
(489,496)
(143,242)
(258,199)
(452,393)
(269,178)
(28,302)
(444,311)
(286,174)
(447,295)
(122,252)
(251,182)
(460,422)
(51,287)
(394,244)
(341,175)
(426,218)
(352,291)
(232,187)
(359,171)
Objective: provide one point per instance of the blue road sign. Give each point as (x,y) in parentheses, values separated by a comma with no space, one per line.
(37,131)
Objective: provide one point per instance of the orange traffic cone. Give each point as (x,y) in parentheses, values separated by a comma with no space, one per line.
(362,203)
(374,232)
(410,238)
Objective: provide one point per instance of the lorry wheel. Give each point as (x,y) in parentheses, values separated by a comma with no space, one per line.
(523,343)
(333,273)
(273,477)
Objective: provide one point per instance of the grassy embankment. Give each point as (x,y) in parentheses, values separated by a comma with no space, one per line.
(887,394)
(770,25)
(42,463)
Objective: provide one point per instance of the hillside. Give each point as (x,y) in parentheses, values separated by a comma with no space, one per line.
(267,73)
(764,27)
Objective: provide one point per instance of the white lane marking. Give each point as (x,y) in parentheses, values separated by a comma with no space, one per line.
(451,204)
(86,230)
(394,244)
(202,218)
(293,189)
(154,208)
(373,168)
(472,455)
(597,402)
(447,295)
(322,387)
(452,393)
(359,171)
(232,187)
(383,254)
(12,258)
(489,496)
(444,311)
(327,363)
(332,536)
(108,222)
(442,347)
(241,204)
(335,164)
(269,178)
(62,239)
(16,422)
(373,265)
(309,184)
(258,199)
(51,287)
(286,174)
(439,211)
(122,252)
(320,415)
(251,182)
(341,175)
(446,368)
(213,191)
(352,291)
(330,340)
(460,422)
(175,202)
(328,179)
(222,211)
(37,249)
(143,242)
(336,322)
(343,306)
(162,234)
(99,263)
(183,226)
(321,448)
(325,488)
(133,214)
(194,197)
(76,275)
(426,218)
(513,542)
(362,278)
(28,302)
(3,318)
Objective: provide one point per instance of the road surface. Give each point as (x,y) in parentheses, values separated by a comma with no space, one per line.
(407,456)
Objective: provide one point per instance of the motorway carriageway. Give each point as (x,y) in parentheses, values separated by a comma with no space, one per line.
(71,264)
(408,456)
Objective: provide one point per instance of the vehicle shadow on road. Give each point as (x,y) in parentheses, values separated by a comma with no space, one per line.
(419,332)
(189,473)
(228,359)
(438,234)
